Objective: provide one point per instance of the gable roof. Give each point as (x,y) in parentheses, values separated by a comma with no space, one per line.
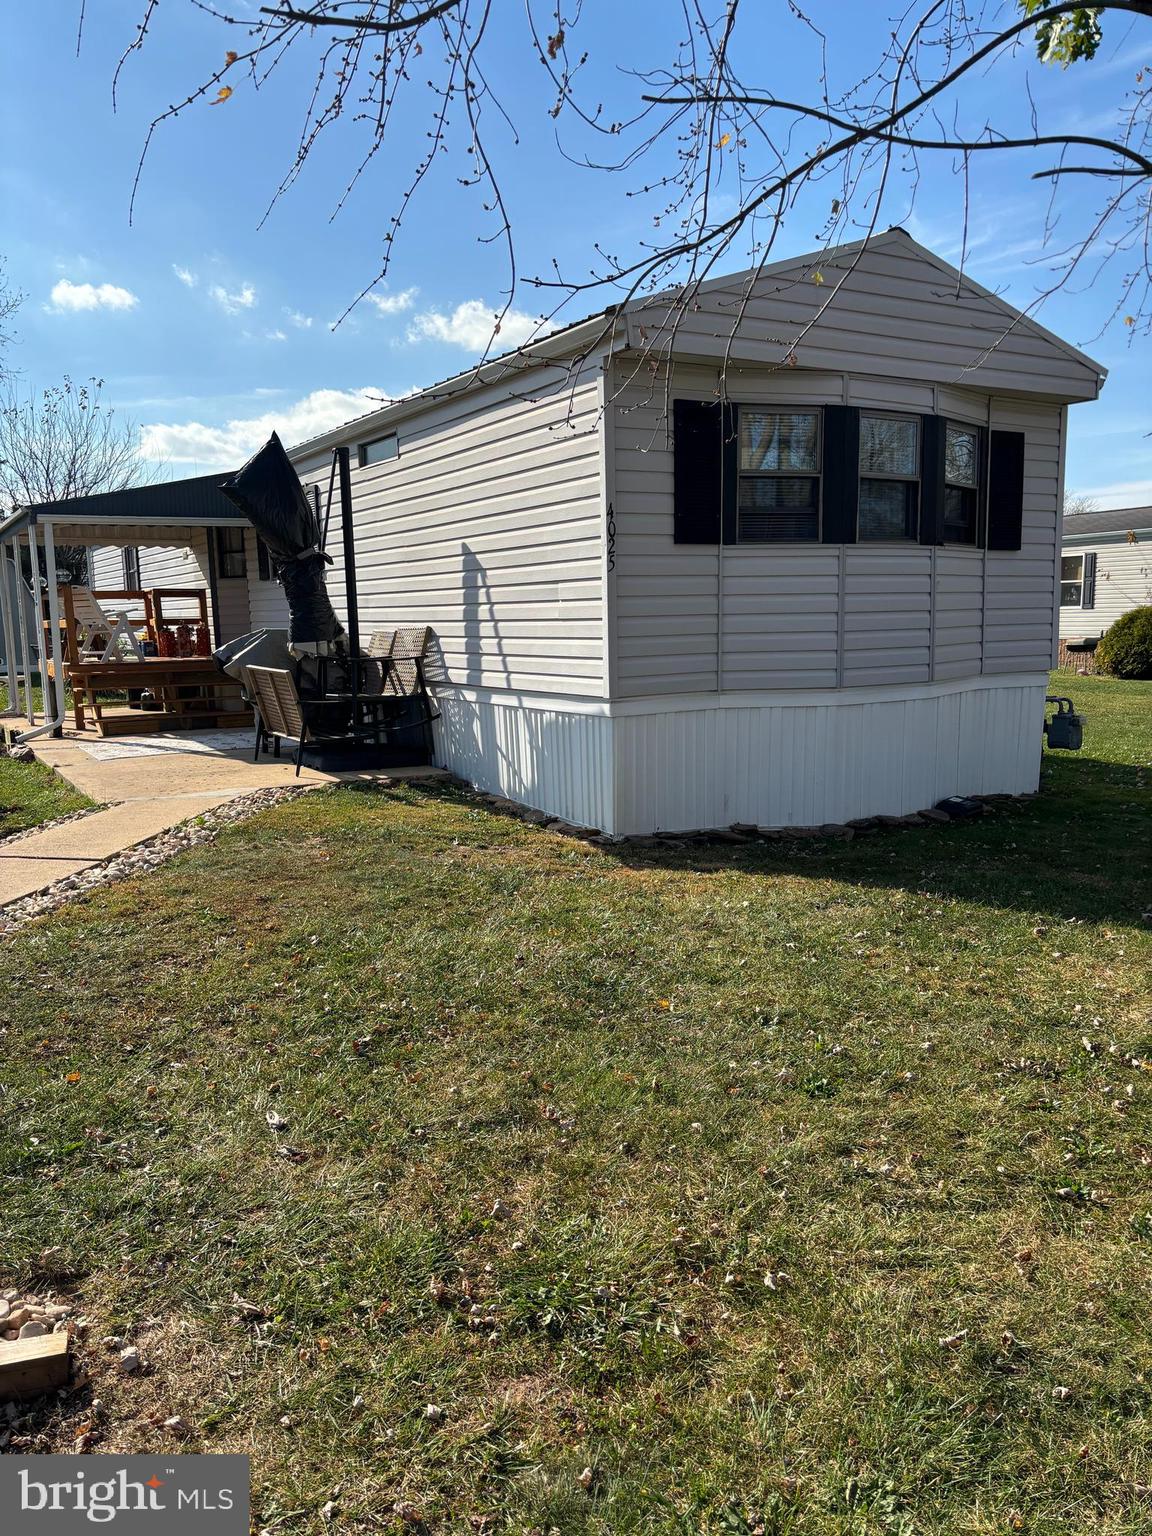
(883,306)
(1085,525)
(703,328)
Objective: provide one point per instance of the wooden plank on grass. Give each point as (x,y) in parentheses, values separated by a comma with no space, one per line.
(29,1367)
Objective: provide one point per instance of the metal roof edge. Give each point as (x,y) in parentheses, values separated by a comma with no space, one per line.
(599,333)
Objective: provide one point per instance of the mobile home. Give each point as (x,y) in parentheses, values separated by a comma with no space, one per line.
(786,556)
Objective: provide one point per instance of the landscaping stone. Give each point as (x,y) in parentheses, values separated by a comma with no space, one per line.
(33,1330)
(44,826)
(934,815)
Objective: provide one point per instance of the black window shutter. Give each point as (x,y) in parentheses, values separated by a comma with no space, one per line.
(1006,490)
(698,471)
(841,466)
(730,475)
(263,565)
(1088,592)
(932,480)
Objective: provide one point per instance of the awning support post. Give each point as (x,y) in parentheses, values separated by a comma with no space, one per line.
(7,596)
(22,621)
(23,618)
(54,690)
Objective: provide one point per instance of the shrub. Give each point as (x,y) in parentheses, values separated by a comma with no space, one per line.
(1125,650)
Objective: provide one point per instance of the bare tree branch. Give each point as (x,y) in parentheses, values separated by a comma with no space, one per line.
(318,18)
(719,165)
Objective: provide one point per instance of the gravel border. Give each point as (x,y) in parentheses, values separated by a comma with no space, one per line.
(46,826)
(141,857)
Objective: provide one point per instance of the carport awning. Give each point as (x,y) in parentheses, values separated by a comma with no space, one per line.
(143,514)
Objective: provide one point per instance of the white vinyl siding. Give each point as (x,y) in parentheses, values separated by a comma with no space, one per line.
(892,305)
(488,527)
(699,618)
(161,565)
(1123,582)
(1020,585)
(245,603)
(267,605)
(775,761)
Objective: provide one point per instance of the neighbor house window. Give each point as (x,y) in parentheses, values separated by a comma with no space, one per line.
(889,477)
(378,450)
(230,558)
(1071,581)
(132,570)
(961,484)
(779,489)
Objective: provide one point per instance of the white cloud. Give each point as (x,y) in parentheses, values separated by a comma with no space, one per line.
(67,296)
(304,322)
(1124,493)
(471,324)
(227,446)
(276,335)
(189,279)
(233,303)
(393,303)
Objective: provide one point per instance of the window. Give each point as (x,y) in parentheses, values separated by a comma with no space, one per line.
(230,558)
(779,486)
(889,477)
(1072,581)
(961,484)
(132,570)
(378,450)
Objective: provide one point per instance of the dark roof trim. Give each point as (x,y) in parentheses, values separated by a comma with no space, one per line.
(1083,525)
(195,500)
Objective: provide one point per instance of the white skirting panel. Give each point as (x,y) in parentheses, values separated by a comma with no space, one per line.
(773,759)
(547,754)
(783,762)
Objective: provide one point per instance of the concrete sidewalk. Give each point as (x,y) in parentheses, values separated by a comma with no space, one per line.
(145,795)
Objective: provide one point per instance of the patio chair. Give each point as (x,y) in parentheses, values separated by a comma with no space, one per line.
(280,712)
(407,652)
(92,621)
(380,645)
(406,680)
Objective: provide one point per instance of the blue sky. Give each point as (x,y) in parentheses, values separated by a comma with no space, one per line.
(210,328)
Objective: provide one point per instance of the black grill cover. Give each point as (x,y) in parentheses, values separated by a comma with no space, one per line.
(268,492)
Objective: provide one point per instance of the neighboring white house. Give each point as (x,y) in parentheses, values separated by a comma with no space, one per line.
(1105,571)
(789,557)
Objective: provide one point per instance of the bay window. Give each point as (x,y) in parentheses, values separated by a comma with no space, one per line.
(889,506)
(962,456)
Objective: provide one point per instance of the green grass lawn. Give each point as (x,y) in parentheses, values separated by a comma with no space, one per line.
(30,793)
(657,1176)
